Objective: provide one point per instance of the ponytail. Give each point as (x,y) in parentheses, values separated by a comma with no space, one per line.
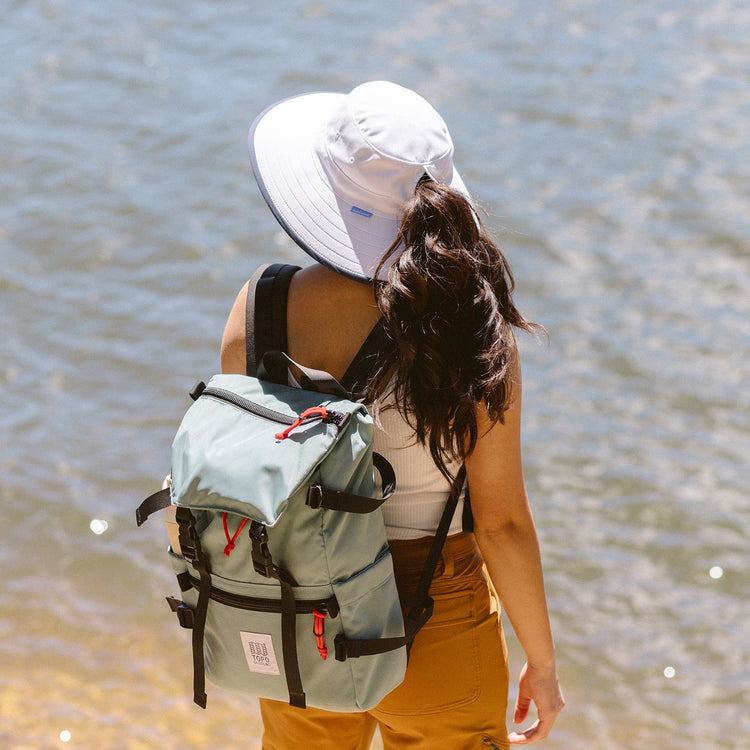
(447,307)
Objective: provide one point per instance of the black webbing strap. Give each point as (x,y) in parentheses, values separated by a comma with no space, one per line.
(199,628)
(263,564)
(289,645)
(191,550)
(356,379)
(310,379)
(421,612)
(265,315)
(158,501)
(423,587)
(322,497)
(467,518)
(250,348)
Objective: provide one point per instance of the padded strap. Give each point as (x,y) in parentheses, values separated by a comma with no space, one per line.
(250,348)
(265,313)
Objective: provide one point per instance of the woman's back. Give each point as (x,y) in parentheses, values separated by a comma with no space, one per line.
(328,318)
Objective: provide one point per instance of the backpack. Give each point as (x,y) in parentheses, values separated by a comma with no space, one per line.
(303,605)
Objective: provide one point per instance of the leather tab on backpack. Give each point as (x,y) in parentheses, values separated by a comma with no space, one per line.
(198,389)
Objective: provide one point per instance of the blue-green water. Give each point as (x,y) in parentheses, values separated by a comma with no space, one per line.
(608,144)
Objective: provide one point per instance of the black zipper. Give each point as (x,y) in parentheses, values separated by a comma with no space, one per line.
(247,405)
(263,604)
(337,418)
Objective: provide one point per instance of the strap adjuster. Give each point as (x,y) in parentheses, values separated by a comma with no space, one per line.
(185,614)
(339,647)
(314,496)
(262,561)
(419,615)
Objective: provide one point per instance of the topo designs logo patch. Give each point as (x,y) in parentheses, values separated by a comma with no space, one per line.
(259,653)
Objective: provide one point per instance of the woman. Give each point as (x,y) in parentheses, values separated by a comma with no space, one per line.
(365,184)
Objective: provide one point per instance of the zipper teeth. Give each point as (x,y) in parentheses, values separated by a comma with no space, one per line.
(257,603)
(337,418)
(249,406)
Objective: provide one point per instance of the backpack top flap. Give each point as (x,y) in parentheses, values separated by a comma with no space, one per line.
(242,448)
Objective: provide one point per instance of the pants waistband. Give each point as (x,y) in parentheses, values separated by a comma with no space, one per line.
(460,558)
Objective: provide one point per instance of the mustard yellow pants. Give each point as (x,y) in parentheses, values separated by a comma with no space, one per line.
(455,692)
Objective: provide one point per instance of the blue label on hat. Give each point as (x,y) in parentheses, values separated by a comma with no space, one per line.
(361,212)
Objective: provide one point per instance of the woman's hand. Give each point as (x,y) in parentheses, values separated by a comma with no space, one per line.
(541,686)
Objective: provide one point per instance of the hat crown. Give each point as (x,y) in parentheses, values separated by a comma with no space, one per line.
(379,142)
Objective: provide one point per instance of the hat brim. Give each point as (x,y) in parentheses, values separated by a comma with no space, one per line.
(282,143)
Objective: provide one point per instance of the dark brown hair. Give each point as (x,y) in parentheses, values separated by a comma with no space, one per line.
(447,307)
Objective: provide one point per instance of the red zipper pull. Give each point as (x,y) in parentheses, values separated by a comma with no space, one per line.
(319,617)
(313,411)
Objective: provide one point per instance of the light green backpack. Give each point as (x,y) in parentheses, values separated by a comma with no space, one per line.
(281,553)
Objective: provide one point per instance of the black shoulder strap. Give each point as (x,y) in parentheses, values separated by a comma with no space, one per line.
(356,379)
(265,314)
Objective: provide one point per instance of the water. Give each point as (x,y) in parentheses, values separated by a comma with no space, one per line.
(608,143)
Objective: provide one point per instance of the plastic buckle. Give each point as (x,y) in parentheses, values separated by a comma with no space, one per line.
(417,617)
(264,567)
(262,561)
(339,648)
(314,496)
(185,615)
(190,544)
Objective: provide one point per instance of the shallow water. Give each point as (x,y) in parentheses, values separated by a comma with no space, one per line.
(607,141)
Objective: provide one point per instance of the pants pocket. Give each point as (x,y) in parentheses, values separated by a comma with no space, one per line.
(443,671)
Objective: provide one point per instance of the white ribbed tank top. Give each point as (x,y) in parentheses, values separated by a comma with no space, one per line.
(415,508)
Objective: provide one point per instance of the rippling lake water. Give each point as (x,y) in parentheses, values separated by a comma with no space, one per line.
(608,142)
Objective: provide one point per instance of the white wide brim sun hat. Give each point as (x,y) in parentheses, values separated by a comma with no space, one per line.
(338,169)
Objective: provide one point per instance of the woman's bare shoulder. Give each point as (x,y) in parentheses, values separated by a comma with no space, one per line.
(233,340)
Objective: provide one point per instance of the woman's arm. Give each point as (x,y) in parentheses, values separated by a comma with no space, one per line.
(506,535)
(233,341)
